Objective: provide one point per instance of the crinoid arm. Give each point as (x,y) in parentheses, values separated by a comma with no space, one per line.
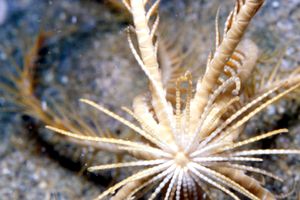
(149,64)
(235,28)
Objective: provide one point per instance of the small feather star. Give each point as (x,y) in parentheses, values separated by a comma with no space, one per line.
(191,138)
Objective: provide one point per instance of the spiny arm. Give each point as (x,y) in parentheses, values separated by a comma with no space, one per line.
(225,50)
(146,56)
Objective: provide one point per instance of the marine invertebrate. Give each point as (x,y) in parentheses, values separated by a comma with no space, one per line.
(192,142)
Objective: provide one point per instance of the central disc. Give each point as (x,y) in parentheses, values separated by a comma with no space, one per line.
(181,159)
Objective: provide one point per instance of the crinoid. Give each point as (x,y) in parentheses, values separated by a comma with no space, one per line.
(191,139)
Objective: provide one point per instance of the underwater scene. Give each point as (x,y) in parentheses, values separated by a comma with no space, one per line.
(149,99)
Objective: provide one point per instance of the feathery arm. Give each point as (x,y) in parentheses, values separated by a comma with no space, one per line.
(224,52)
